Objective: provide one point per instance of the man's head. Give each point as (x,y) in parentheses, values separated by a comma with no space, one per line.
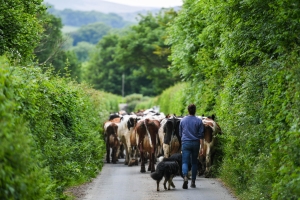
(192,109)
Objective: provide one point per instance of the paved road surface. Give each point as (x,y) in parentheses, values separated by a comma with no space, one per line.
(120,182)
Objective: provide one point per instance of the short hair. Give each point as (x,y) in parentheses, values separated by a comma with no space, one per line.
(192,109)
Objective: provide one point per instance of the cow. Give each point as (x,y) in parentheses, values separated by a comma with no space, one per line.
(147,137)
(172,140)
(211,129)
(127,136)
(161,135)
(111,140)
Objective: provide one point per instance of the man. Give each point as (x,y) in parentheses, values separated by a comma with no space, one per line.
(191,131)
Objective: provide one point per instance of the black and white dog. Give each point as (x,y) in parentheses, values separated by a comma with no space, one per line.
(166,169)
(178,158)
(174,157)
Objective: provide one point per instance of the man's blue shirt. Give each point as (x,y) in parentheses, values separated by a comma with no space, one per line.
(191,128)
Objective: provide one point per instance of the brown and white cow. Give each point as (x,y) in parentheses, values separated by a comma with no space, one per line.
(111,140)
(127,136)
(147,138)
(211,129)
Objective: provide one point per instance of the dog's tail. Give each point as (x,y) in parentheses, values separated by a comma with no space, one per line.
(156,176)
(161,158)
(159,172)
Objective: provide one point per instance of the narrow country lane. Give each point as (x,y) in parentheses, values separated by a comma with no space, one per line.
(118,182)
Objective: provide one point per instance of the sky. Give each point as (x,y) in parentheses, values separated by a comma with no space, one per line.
(149,3)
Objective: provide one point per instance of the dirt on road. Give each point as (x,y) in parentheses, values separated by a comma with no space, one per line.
(118,182)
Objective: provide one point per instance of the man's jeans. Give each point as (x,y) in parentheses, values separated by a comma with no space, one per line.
(190,152)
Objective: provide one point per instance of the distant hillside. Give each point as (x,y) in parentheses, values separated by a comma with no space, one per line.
(96,5)
(79,18)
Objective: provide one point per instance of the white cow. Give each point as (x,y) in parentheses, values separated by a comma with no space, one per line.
(127,135)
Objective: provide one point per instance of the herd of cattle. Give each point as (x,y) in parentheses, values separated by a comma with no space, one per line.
(149,134)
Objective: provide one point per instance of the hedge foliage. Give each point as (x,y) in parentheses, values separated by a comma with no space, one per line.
(241,59)
(51,135)
(21,176)
(170,101)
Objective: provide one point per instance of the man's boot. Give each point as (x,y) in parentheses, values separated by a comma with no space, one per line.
(193,185)
(185,182)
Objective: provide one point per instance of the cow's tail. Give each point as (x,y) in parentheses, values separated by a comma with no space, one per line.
(145,123)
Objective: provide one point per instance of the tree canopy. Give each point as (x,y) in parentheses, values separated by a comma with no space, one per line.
(20,28)
(139,53)
(91,33)
(242,60)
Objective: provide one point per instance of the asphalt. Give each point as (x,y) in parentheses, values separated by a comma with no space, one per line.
(120,182)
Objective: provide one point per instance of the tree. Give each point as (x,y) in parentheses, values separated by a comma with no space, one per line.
(91,33)
(51,41)
(102,71)
(83,50)
(50,51)
(138,53)
(67,64)
(20,28)
(144,47)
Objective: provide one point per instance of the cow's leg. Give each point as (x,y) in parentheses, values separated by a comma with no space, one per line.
(126,150)
(118,150)
(127,147)
(207,161)
(153,162)
(154,158)
(150,163)
(166,149)
(142,162)
(107,151)
(157,187)
(158,152)
(151,166)
(136,156)
(114,155)
(130,152)
(202,164)
(133,156)
(121,151)
(141,147)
